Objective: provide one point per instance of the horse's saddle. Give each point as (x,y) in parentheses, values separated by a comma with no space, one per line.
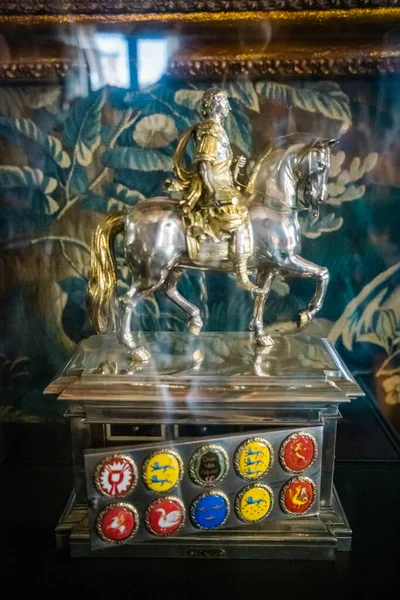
(207,250)
(204,251)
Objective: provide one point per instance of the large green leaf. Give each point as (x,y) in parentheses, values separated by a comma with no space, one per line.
(384,323)
(245,92)
(122,198)
(149,183)
(116,197)
(11,177)
(189,98)
(21,177)
(79,182)
(95,202)
(27,128)
(82,128)
(238,128)
(159,99)
(141,159)
(313,229)
(123,194)
(325,97)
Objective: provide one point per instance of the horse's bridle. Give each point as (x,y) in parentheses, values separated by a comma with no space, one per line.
(304,180)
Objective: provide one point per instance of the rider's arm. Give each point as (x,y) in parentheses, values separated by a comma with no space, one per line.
(207,175)
(206,153)
(241,161)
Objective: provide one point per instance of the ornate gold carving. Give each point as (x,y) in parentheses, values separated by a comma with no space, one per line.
(369,64)
(118,7)
(306,66)
(290,60)
(36,69)
(313,12)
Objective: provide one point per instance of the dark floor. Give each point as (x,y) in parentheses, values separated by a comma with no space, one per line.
(33,492)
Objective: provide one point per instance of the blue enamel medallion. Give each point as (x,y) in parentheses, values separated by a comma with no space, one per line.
(210,511)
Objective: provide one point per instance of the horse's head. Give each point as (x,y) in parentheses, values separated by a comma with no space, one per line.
(311,170)
(292,171)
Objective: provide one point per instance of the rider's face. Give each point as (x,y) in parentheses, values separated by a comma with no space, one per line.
(224,106)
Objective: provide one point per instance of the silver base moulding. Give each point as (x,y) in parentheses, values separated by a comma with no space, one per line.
(318,537)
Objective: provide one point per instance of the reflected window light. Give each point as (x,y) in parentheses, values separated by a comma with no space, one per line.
(152,60)
(113,53)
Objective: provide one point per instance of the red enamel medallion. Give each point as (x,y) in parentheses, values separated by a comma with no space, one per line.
(298,495)
(298,451)
(117,523)
(116,476)
(165,516)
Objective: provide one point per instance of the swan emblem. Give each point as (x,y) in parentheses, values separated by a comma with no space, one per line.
(168,520)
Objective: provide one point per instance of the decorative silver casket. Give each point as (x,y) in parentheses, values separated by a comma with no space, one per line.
(215,447)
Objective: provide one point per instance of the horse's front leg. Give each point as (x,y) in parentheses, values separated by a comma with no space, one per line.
(264,281)
(298,265)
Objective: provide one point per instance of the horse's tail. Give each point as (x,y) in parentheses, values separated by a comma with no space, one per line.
(102,274)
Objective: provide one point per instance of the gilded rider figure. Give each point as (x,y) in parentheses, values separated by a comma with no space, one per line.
(212,202)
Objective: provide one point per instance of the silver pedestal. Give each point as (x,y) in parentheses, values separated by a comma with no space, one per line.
(216,384)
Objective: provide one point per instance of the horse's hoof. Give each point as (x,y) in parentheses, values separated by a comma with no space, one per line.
(303,318)
(264,340)
(140,354)
(195,327)
(127,341)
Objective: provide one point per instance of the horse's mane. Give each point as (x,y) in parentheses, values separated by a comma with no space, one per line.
(276,152)
(284,141)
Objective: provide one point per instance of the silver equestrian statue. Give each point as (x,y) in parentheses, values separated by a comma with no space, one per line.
(214,223)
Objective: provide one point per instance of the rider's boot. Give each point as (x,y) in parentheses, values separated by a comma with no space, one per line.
(240,256)
(243,281)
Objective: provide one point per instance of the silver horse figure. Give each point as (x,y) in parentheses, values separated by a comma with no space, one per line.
(289,176)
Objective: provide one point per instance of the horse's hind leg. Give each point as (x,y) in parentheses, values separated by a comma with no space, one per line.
(127,304)
(264,281)
(170,288)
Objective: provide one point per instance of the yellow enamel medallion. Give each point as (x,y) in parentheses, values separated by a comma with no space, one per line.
(162,471)
(254,503)
(253,458)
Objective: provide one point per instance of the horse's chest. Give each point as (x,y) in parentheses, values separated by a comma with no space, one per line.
(284,234)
